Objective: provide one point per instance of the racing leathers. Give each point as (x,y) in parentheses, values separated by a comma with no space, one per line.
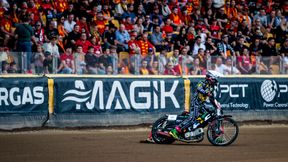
(204,90)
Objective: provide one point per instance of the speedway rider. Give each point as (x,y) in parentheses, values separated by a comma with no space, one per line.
(204,90)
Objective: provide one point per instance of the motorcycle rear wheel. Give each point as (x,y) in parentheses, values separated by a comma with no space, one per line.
(159,126)
(222,132)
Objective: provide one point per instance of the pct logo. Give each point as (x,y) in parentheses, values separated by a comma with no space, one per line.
(269,90)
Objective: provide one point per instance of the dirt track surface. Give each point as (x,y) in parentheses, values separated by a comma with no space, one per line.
(255,143)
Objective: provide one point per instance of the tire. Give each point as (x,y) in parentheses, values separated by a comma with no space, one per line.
(159,126)
(220,137)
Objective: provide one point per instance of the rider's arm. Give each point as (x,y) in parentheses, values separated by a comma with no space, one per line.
(200,88)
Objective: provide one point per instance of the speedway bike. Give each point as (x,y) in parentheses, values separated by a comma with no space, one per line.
(222,130)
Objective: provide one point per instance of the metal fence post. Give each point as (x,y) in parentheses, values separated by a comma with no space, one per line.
(115,63)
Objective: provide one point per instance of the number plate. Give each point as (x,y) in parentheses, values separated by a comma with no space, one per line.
(172,117)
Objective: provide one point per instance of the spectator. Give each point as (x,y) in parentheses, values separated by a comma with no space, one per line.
(67,65)
(224,49)
(261,16)
(13,68)
(69,11)
(165,10)
(73,36)
(169,70)
(79,58)
(109,70)
(175,59)
(220,67)
(69,24)
(83,42)
(3,55)
(181,39)
(244,63)
(210,46)
(230,9)
(38,60)
(272,20)
(240,46)
(215,29)
(281,31)
(269,49)
(197,45)
(91,61)
(107,14)
(163,60)
(176,20)
(144,45)
(100,23)
(154,68)
(202,59)
(122,38)
(4,67)
(167,28)
(83,26)
(185,16)
(39,33)
(138,27)
(229,69)
(128,24)
(52,47)
(109,36)
(209,18)
(24,35)
(48,63)
(222,18)
(6,29)
(185,60)
(196,69)
(51,31)
(256,47)
(133,45)
(157,39)
(150,27)
(150,57)
(144,69)
(96,44)
(129,13)
(106,59)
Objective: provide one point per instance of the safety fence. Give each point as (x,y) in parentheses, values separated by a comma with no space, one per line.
(73,101)
(156,64)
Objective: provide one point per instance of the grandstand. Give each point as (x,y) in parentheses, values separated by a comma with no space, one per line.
(184,37)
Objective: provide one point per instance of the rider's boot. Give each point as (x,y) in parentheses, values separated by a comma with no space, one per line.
(175,132)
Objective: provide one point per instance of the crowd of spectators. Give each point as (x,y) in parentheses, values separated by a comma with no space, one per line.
(170,37)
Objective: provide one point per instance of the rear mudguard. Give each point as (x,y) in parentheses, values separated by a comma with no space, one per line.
(171,124)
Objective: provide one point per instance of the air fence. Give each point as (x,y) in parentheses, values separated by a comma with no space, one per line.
(99,100)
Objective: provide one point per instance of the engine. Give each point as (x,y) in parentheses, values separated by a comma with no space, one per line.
(192,135)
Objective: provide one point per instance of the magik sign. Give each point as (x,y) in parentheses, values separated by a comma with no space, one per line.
(90,95)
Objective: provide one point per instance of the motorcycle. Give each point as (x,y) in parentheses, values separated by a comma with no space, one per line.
(222,129)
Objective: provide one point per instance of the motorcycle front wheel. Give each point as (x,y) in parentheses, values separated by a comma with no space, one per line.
(222,132)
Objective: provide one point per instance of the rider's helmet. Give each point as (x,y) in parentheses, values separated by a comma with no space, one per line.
(212,77)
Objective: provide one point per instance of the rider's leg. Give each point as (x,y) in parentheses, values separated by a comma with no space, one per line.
(187,122)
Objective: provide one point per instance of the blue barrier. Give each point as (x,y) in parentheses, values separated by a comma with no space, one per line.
(114,101)
(23,102)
